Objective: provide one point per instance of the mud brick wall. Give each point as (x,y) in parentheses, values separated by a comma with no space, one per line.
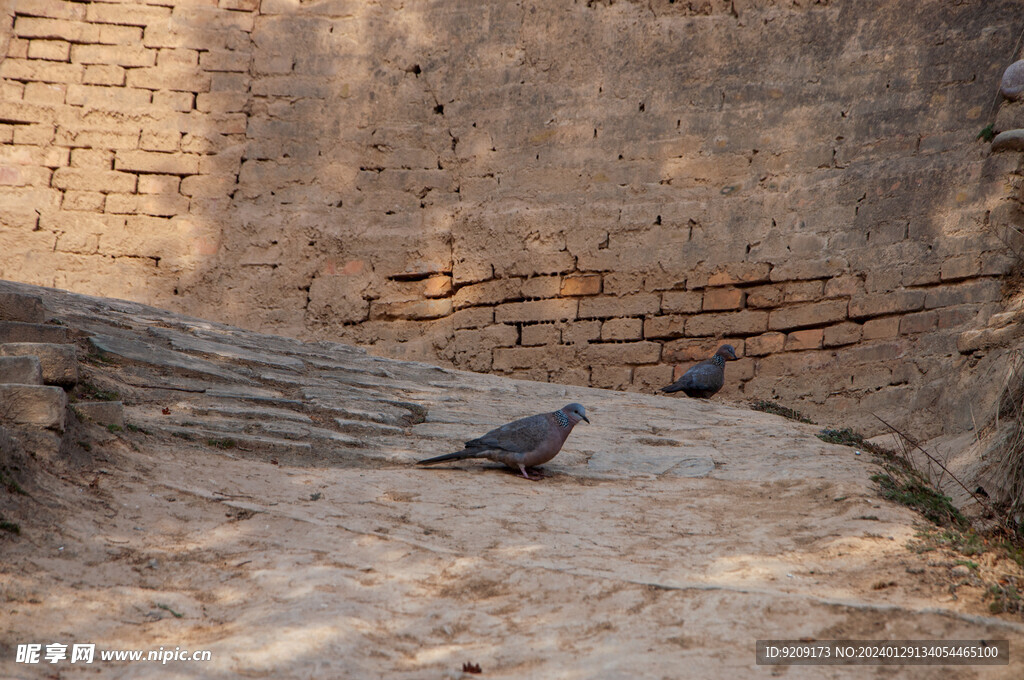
(587,192)
(120,136)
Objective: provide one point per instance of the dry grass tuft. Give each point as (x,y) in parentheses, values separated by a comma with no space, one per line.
(1010,467)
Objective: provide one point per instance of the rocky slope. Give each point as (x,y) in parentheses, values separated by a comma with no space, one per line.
(261,503)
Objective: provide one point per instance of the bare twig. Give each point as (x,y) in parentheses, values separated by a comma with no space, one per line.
(1012,460)
(977,435)
(981,501)
(908,460)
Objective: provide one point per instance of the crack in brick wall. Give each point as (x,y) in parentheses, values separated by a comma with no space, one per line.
(593,193)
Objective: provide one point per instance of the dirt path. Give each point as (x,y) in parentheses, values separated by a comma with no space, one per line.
(267,511)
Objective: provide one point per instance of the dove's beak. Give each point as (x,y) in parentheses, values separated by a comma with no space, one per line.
(586,419)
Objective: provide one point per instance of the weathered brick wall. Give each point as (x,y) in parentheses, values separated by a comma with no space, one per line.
(586,192)
(122,130)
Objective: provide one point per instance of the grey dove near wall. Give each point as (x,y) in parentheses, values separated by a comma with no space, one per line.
(523,443)
(705,378)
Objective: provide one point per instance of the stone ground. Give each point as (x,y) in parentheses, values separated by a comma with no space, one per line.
(264,506)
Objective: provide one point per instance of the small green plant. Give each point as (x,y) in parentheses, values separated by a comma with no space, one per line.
(9,527)
(183,435)
(1012,550)
(135,428)
(967,543)
(780,410)
(315,496)
(167,608)
(1005,598)
(97,358)
(987,133)
(114,427)
(90,392)
(847,437)
(909,488)
(221,443)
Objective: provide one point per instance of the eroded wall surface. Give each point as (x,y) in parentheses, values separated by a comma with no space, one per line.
(586,192)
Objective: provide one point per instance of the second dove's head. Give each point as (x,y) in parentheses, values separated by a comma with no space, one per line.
(575,413)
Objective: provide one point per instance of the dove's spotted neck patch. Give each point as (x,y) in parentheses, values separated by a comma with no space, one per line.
(718,360)
(563,420)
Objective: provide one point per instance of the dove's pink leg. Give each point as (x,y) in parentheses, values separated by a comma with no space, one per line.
(522,468)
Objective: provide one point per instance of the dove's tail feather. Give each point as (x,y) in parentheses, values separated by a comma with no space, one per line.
(674,387)
(458,455)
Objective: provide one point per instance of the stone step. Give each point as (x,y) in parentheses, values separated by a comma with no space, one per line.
(346,405)
(301,432)
(21,370)
(367,427)
(38,405)
(161,356)
(190,343)
(59,362)
(18,331)
(103,412)
(224,438)
(251,412)
(268,429)
(22,307)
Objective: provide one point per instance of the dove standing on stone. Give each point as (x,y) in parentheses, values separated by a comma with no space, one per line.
(523,443)
(707,377)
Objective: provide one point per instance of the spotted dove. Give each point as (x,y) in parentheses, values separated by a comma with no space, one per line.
(523,443)
(705,378)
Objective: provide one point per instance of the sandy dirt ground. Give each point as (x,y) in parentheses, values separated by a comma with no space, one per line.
(264,506)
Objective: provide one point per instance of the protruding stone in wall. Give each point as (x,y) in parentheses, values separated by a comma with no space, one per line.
(1009,140)
(1012,84)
